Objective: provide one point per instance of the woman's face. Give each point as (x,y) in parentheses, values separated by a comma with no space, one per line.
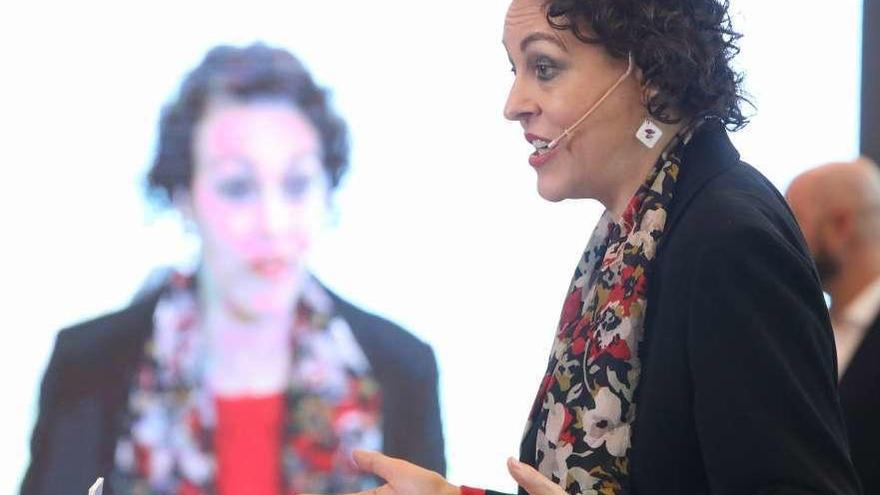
(557,78)
(259,194)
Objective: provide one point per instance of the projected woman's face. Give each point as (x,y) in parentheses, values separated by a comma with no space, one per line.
(259,194)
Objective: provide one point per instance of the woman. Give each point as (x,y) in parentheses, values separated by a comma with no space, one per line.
(250,376)
(694,352)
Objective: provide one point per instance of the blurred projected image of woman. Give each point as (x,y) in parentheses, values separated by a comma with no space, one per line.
(247,376)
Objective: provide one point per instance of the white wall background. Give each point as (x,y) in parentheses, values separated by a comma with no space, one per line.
(440,227)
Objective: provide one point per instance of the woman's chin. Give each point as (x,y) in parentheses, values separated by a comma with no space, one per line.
(550,192)
(256,305)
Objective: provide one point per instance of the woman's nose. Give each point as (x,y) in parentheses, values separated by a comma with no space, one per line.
(519,106)
(275,215)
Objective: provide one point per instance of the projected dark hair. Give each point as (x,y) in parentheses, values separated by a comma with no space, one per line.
(250,73)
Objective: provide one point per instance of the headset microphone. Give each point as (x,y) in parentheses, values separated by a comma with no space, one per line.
(596,105)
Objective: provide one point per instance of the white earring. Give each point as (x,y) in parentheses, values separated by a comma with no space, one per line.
(649,133)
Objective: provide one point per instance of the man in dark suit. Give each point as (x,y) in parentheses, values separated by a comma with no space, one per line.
(838,208)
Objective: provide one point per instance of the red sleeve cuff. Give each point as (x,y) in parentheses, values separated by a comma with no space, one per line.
(466,490)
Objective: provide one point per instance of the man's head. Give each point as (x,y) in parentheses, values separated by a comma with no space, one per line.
(838,208)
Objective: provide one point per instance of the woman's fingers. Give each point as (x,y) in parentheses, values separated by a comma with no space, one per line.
(376,463)
(382,490)
(365,459)
(531,480)
(403,478)
(390,469)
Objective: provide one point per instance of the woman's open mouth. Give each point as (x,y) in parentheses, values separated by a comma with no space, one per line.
(543,152)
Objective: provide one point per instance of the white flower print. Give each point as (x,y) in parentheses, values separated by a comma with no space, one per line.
(603,426)
(554,465)
(654,220)
(563,452)
(548,463)
(583,478)
(555,420)
(644,241)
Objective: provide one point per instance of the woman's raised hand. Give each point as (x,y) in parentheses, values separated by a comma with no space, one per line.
(531,480)
(401,477)
(404,478)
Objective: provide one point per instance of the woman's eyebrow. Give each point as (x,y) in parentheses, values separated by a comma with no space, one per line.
(541,36)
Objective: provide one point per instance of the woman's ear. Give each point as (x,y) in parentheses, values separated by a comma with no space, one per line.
(648,92)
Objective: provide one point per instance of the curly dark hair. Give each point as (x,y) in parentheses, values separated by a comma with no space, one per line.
(683,47)
(253,72)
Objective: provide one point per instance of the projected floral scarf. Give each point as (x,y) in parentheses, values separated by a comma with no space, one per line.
(332,405)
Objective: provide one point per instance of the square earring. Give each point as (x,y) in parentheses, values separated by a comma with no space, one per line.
(649,133)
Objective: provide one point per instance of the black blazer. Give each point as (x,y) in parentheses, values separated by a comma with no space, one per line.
(738,391)
(85,390)
(860,398)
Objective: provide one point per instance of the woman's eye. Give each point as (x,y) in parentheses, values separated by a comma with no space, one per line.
(544,67)
(236,188)
(545,71)
(296,187)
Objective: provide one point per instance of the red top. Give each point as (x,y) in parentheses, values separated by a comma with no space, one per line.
(248,445)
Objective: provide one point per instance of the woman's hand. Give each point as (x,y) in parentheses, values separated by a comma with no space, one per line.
(401,477)
(531,480)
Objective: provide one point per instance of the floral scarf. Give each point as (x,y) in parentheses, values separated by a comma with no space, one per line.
(585,407)
(332,405)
